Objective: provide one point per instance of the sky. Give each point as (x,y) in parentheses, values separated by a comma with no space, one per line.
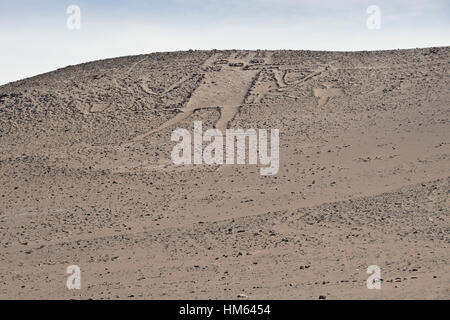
(41,36)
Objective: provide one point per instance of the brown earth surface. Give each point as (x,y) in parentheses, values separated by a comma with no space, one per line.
(86,177)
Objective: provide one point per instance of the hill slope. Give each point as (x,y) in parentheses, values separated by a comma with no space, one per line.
(86,177)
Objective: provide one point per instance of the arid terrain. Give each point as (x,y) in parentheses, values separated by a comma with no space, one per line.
(86,178)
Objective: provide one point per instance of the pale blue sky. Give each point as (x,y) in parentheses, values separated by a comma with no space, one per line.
(34,37)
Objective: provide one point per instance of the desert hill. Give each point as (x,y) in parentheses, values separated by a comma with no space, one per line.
(86,177)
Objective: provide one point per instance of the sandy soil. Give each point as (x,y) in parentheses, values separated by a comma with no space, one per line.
(86,177)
